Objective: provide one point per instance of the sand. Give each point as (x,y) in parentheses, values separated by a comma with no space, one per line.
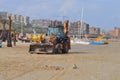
(84,62)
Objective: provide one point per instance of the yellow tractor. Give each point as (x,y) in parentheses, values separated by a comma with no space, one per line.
(56,40)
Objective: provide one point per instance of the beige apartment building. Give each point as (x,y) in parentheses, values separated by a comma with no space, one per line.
(15,18)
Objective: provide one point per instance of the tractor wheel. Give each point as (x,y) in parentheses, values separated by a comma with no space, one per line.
(54,50)
(65,48)
(57,49)
(31,52)
(31,49)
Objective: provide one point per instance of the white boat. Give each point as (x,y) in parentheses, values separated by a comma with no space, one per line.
(80,41)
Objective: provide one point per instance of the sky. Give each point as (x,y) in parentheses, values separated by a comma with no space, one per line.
(98,13)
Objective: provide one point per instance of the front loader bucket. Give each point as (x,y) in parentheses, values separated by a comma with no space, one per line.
(40,48)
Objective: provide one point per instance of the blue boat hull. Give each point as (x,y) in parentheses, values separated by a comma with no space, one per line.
(97,43)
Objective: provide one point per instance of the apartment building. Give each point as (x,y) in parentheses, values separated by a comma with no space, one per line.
(95,30)
(15,18)
(44,23)
(3,15)
(77,28)
(115,33)
(40,23)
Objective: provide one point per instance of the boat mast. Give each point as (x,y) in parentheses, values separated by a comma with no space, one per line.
(81,27)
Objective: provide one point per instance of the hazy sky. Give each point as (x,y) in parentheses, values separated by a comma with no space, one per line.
(98,13)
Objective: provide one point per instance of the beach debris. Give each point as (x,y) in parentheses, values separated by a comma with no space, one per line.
(47,67)
(74,66)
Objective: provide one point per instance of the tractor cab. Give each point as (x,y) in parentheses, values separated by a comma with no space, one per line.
(57,31)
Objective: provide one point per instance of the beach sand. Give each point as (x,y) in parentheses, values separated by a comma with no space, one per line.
(83,62)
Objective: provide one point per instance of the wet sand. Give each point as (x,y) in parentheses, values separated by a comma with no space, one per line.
(83,62)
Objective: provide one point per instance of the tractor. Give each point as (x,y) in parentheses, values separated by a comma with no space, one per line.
(55,41)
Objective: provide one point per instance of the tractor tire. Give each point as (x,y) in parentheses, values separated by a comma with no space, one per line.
(31,49)
(31,52)
(65,48)
(57,49)
(54,50)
